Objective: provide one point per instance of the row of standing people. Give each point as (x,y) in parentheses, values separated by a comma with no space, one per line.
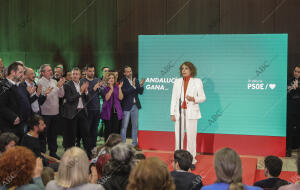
(76,102)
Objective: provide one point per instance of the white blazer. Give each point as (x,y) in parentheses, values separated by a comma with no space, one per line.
(194,89)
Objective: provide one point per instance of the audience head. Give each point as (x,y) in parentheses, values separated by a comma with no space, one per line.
(122,159)
(116,73)
(46,71)
(29,74)
(112,140)
(1,65)
(110,78)
(58,71)
(36,124)
(90,71)
(228,167)
(68,76)
(182,160)
(15,71)
(73,169)
(273,166)
(139,156)
(150,174)
(104,70)
(47,175)
(83,73)
(17,164)
(127,72)
(76,74)
(187,69)
(297,71)
(7,141)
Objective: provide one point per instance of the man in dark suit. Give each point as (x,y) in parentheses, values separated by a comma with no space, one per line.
(10,114)
(293,111)
(34,91)
(131,104)
(183,178)
(75,112)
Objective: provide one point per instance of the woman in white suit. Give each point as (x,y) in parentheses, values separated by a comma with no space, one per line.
(190,91)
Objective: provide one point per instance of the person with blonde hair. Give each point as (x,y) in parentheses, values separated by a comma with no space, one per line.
(73,172)
(111,112)
(151,174)
(228,168)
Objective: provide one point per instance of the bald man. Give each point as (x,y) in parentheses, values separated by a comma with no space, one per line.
(34,91)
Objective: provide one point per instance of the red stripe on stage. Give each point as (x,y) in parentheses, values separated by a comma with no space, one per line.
(210,143)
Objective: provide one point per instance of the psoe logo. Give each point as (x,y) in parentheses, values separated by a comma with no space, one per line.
(261,86)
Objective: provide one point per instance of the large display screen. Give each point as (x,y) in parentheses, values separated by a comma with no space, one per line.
(244,78)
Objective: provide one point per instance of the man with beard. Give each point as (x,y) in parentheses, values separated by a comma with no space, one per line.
(36,97)
(131,104)
(36,125)
(11,119)
(50,108)
(58,72)
(93,106)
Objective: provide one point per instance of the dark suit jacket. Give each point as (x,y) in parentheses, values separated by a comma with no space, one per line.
(186,180)
(9,104)
(41,99)
(71,100)
(130,93)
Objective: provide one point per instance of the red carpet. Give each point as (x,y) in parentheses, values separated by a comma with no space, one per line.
(204,166)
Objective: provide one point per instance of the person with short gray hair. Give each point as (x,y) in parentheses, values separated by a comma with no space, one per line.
(116,171)
(50,108)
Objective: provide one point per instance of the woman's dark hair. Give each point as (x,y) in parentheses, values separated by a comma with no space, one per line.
(112,140)
(6,138)
(274,165)
(184,159)
(191,66)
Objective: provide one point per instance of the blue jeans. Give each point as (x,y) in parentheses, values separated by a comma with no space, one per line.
(133,113)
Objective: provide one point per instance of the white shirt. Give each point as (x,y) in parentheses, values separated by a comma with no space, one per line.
(130,81)
(13,82)
(34,105)
(77,86)
(51,105)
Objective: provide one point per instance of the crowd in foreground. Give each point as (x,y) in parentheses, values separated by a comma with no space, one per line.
(117,166)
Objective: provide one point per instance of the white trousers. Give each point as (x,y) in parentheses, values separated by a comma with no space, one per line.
(191,129)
